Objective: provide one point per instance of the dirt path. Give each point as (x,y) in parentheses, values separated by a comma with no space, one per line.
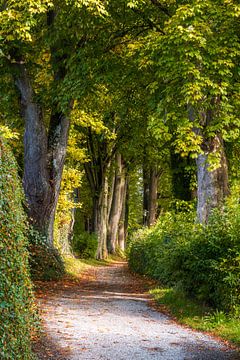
(107,316)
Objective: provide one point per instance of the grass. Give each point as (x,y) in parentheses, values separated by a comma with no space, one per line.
(198,316)
(76,266)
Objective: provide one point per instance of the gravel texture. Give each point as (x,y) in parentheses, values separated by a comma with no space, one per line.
(107,316)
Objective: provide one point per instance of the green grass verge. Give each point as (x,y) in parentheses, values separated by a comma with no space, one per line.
(197,316)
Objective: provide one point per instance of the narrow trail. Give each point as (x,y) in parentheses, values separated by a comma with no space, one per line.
(107,316)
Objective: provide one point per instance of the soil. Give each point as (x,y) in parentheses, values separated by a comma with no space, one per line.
(107,315)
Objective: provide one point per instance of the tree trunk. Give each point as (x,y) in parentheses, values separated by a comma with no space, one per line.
(43,158)
(212,185)
(122,221)
(116,206)
(146,190)
(98,181)
(152,203)
(150,187)
(102,221)
(181,177)
(111,192)
(126,208)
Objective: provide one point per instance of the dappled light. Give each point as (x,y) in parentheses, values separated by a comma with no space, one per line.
(110,315)
(119,148)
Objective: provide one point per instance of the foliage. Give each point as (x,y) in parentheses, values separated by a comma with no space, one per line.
(192,313)
(85,245)
(45,262)
(16,297)
(202,260)
(68,202)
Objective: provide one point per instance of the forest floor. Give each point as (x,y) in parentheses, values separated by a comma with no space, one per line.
(108,314)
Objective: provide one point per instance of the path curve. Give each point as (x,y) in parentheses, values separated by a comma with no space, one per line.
(108,317)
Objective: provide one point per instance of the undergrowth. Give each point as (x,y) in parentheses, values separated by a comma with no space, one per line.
(197,315)
(46,262)
(202,262)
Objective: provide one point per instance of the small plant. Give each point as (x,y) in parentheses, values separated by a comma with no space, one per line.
(215,319)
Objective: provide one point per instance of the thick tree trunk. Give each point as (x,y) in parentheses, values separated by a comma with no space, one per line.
(152,203)
(43,159)
(98,181)
(57,147)
(212,185)
(116,206)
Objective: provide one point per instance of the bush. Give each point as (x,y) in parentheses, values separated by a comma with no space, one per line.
(85,245)
(45,262)
(204,261)
(16,297)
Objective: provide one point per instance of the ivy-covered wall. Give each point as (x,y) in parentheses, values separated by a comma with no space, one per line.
(16,297)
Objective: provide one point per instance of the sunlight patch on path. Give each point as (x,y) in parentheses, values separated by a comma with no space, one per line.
(109,318)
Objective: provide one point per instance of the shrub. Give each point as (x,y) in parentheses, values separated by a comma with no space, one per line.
(45,262)
(203,260)
(16,297)
(85,245)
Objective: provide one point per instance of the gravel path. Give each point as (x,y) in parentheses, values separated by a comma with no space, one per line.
(108,317)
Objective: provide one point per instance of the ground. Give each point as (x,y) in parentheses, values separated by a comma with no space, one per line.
(109,315)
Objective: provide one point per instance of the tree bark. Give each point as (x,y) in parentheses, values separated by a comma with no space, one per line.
(116,206)
(212,185)
(146,190)
(43,158)
(152,203)
(126,208)
(122,228)
(102,221)
(97,175)
(150,188)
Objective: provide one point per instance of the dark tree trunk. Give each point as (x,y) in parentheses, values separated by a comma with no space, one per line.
(43,158)
(153,190)
(181,178)
(126,209)
(213,185)
(150,189)
(146,190)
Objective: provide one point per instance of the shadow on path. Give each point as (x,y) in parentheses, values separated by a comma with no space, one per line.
(107,316)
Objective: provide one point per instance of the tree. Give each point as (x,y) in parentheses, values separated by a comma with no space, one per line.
(195,65)
(37,52)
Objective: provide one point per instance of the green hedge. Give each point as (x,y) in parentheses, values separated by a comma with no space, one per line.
(16,298)
(203,261)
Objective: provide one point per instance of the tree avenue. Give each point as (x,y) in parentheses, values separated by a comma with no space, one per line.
(135,68)
(119,113)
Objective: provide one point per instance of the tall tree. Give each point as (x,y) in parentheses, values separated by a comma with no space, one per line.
(195,65)
(39,56)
